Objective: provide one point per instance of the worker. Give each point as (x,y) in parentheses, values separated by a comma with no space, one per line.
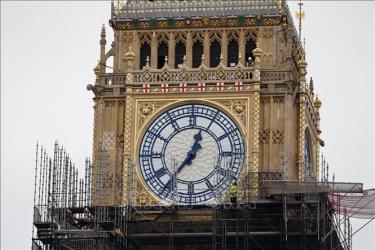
(233,192)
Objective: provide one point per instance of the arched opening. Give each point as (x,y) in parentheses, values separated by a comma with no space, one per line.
(180,52)
(215,51)
(145,52)
(308,157)
(249,47)
(197,54)
(232,53)
(162,53)
(109,65)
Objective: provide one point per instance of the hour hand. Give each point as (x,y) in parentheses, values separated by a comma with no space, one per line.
(188,160)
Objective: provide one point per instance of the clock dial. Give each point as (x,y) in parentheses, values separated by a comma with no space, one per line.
(190,154)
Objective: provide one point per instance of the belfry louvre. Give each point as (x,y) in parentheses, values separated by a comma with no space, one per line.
(201,95)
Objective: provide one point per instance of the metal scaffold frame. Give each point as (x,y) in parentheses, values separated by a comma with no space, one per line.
(66,218)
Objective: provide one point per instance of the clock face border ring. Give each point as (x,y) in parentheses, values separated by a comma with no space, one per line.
(169,106)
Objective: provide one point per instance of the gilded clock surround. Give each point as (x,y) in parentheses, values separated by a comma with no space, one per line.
(219,103)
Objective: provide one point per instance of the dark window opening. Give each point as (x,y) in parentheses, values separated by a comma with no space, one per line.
(144,53)
(308,157)
(180,52)
(232,53)
(162,53)
(215,50)
(249,47)
(197,54)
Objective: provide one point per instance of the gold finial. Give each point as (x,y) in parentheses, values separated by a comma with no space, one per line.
(302,64)
(300,15)
(317,102)
(97,69)
(130,55)
(257,52)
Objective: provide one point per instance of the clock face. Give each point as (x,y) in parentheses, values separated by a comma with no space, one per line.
(190,154)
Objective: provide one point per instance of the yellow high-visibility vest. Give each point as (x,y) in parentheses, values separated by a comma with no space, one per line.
(233,190)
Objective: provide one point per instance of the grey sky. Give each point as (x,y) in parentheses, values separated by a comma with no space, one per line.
(48,50)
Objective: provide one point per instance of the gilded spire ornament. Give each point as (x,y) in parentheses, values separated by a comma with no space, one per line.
(257,52)
(130,55)
(300,15)
(97,68)
(317,103)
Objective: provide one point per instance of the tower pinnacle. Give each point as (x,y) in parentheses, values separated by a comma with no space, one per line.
(300,15)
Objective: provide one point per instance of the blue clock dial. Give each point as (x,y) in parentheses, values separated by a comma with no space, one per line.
(190,154)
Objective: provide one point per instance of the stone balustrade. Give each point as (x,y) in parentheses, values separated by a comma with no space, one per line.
(201,74)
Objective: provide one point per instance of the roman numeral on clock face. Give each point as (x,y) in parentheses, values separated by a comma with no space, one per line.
(221,171)
(190,188)
(227,153)
(160,172)
(193,121)
(209,184)
(222,137)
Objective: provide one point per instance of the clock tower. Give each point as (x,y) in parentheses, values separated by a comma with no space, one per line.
(201,94)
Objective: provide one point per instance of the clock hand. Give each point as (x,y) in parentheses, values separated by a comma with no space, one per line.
(189,156)
(188,160)
(193,152)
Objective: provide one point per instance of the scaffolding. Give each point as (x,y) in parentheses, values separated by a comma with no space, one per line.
(284,214)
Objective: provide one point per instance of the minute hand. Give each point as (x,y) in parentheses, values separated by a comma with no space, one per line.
(193,152)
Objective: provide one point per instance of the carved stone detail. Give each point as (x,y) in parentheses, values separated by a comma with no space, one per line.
(277,136)
(268,33)
(265,99)
(264,136)
(109,104)
(256,127)
(278,99)
(143,196)
(238,107)
(108,140)
(146,109)
(127,148)
(128,37)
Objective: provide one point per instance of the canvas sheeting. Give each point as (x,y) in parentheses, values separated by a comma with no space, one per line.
(355,205)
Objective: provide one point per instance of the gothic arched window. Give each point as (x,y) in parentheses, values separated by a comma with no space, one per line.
(197,54)
(308,157)
(249,47)
(145,52)
(162,53)
(232,53)
(215,51)
(180,52)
